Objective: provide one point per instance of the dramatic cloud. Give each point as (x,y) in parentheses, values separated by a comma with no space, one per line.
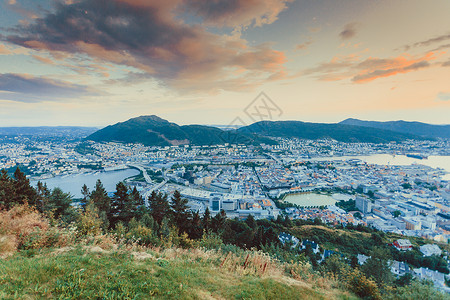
(26,88)
(234,13)
(151,37)
(349,31)
(443,96)
(363,71)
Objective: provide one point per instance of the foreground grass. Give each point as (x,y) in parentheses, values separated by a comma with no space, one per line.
(85,274)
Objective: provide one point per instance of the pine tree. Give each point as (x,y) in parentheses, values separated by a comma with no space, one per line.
(195,228)
(6,190)
(206,221)
(119,202)
(218,222)
(99,198)
(159,206)
(24,192)
(86,194)
(43,195)
(180,213)
(60,204)
(251,222)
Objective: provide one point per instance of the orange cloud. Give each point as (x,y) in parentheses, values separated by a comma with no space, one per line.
(374,68)
(44,60)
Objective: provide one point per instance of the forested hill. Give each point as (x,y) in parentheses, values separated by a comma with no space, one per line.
(154,131)
(339,132)
(417,128)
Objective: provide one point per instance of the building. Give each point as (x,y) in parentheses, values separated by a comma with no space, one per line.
(430,249)
(402,244)
(364,205)
(412,224)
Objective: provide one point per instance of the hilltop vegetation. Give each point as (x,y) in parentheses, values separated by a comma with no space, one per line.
(117,248)
(313,131)
(417,128)
(154,131)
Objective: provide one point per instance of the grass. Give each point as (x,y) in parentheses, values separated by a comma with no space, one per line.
(91,273)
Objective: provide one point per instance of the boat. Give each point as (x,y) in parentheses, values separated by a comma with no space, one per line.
(417,156)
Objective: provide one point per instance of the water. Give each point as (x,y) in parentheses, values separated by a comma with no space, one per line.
(398,160)
(310,199)
(72,184)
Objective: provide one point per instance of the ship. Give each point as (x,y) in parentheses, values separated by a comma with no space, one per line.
(417,156)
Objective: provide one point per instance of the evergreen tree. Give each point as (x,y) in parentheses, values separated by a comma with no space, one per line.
(6,190)
(43,195)
(218,222)
(195,228)
(86,194)
(180,213)
(251,222)
(119,203)
(287,221)
(377,266)
(24,192)
(159,206)
(206,220)
(136,207)
(60,204)
(99,198)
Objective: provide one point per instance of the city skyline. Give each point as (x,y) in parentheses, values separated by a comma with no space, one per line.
(94,63)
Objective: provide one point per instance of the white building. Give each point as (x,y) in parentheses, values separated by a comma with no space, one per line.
(430,249)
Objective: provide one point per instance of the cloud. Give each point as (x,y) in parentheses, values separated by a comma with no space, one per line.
(446,64)
(443,96)
(367,76)
(349,31)
(234,13)
(152,37)
(4,50)
(26,88)
(304,45)
(363,71)
(429,42)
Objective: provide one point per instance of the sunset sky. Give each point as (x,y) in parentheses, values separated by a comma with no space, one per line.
(98,62)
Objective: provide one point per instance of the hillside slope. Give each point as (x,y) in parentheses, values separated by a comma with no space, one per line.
(339,132)
(154,131)
(95,273)
(416,128)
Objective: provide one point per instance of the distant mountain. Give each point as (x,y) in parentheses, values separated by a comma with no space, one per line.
(339,132)
(416,128)
(154,131)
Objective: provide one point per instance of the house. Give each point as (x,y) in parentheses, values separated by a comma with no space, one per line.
(435,276)
(402,244)
(430,249)
(399,268)
(362,258)
(287,238)
(314,246)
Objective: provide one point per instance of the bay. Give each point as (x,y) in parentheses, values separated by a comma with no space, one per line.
(72,184)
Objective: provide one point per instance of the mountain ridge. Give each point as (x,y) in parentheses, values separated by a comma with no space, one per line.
(412,127)
(154,131)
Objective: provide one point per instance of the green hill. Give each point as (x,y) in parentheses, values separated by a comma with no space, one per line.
(417,128)
(339,132)
(154,131)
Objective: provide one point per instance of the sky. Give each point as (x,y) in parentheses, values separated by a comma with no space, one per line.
(98,62)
